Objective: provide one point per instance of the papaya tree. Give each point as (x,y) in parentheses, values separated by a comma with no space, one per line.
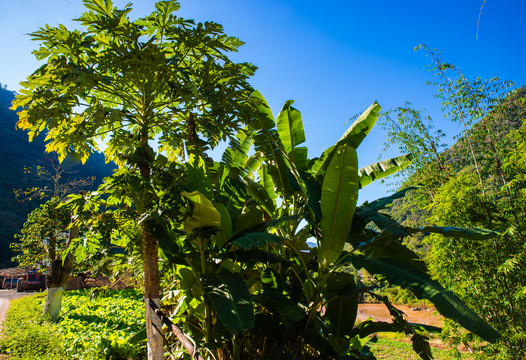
(126,83)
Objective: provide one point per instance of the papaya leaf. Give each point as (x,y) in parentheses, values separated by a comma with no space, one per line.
(382,169)
(231,300)
(404,274)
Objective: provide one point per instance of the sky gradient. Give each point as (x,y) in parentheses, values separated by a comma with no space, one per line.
(333,59)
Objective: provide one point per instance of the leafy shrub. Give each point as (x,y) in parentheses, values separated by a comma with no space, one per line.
(92,326)
(98,325)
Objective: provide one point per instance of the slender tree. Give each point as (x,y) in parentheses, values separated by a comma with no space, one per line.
(127,83)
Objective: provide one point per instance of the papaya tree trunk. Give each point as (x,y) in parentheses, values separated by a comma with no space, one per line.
(151,293)
(56,283)
(150,260)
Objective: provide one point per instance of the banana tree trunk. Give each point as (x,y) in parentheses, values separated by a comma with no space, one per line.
(56,283)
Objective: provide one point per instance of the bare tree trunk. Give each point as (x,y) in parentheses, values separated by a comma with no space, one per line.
(57,281)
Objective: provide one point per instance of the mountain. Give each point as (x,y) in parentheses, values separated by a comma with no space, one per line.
(19,154)
(493,139)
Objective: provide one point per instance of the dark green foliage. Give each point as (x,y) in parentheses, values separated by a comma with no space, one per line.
(19,172)
(250,286)
(477,183)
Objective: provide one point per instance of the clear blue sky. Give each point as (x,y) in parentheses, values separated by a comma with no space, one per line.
(333,59)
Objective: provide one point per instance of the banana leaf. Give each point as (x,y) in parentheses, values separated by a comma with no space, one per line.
(338,202)
(382,169)
(231,300)
(457,232)
(352,137)
(290,130)
(404,274)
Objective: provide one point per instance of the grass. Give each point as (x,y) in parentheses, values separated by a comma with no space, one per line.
(388,348)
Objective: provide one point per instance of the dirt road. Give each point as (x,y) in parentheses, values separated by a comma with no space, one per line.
(379,312)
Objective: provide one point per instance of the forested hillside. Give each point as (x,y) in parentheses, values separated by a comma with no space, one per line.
(479,182)
(504,125)
(20,161)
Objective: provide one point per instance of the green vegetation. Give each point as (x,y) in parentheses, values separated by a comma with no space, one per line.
(96,325)
(21,172)
(388,348)
(479,182)
(128,83)
(237,275)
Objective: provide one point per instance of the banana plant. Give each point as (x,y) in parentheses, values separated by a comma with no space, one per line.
(246,280)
